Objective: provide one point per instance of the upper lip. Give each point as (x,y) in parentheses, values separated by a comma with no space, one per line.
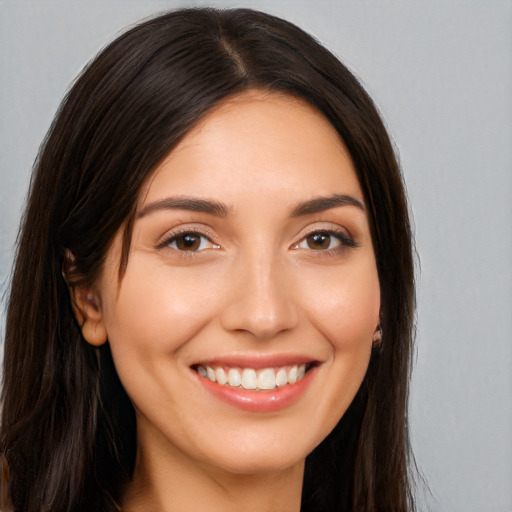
(256,361)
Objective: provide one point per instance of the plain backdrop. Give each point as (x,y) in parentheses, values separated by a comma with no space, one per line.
(441,73)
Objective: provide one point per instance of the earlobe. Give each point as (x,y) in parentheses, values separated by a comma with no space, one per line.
(87,308)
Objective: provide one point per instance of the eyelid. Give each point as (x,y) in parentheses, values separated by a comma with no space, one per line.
(172,234)
(342,234)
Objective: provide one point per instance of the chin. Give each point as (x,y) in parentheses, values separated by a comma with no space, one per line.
(248,455)
(263,464)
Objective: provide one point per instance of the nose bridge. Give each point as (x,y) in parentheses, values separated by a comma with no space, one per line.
(261,301)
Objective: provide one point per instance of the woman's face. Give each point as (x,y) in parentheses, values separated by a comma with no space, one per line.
(242,327)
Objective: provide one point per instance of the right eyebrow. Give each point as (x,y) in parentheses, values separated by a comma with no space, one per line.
(192,204)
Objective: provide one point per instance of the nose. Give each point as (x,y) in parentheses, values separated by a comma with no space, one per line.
(261,300)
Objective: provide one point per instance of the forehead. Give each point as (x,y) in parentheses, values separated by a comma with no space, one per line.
(257,142)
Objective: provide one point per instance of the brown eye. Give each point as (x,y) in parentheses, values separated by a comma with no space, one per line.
(191,242)
(326,241)
(188,242)
(320,241)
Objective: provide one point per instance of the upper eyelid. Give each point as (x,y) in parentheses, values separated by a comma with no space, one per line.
(176,232)
(344,235)
(324,226)
(311,228)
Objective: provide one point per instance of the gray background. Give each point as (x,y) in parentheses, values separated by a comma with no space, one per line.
(441,72)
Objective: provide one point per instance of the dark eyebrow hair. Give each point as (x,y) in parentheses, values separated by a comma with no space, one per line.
(186,203)
(320,204)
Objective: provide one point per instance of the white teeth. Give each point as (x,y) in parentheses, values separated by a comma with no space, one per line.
(292,375)
(267,379)
(220,376)
(234,378)
(249,378)
(210,373)
(281,378)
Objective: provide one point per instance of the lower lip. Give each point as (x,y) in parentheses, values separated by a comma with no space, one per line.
(260,401)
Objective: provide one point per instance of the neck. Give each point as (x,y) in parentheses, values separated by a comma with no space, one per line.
(170,483)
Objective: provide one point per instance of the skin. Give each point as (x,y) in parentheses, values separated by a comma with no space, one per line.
(259,285)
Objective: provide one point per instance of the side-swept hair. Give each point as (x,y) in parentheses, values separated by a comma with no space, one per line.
(68,428)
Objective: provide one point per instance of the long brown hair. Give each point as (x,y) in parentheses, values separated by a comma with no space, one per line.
(68,429)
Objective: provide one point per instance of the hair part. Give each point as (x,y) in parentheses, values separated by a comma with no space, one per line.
(68,429)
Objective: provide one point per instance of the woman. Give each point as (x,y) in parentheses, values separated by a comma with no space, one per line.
(212,301)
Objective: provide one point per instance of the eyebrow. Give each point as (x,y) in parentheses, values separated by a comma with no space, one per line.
(321,204)
(315,205)
(186,203)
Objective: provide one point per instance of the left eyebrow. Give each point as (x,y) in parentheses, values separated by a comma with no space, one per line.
(321,204)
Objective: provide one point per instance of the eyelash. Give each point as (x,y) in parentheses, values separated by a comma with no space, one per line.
(343,239)
(174,237)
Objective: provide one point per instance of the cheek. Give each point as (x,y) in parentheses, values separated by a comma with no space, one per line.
(345,306)
(157,310)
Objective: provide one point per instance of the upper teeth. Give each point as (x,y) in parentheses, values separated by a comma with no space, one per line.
(249,378)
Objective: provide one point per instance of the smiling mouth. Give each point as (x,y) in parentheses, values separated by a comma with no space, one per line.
(264,379)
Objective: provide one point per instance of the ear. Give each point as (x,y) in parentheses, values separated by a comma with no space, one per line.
(377,337)
(87,308)
(85,302)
